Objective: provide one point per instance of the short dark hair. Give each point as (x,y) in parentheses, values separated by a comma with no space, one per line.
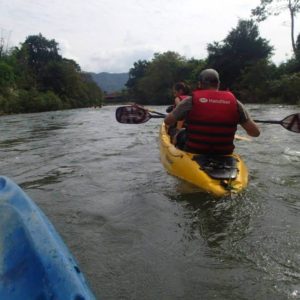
(209,78)
(182,86)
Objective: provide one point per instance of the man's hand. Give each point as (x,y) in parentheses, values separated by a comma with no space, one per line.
(170,119)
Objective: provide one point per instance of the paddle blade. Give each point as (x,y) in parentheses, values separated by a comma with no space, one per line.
(132,115)
(292,122)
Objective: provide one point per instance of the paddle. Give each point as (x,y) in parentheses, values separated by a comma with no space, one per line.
(135,114)
(291,122)
(242,138)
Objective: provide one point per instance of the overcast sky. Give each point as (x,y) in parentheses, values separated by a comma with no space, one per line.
(110,35)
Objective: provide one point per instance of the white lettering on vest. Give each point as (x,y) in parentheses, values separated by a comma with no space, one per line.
(217,101)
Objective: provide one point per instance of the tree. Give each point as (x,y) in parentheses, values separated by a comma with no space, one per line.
(135,75)
(2,50)
(35,77)
(158,77)
(4,43)
(41,51)
(253,84)
(35,54)
(286,89)
(241,48)
(6,76)
(137,72)
(292,65)
(275,7)
(298,48)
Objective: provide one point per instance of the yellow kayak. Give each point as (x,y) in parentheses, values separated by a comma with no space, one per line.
(217,175)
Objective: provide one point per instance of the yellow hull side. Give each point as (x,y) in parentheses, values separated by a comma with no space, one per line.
(182,165)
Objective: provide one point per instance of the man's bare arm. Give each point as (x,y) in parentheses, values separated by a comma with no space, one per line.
(251,128)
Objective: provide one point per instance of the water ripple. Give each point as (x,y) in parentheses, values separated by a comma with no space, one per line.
(131,225)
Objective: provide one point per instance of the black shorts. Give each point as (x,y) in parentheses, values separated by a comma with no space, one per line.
(181,139)
(172,130)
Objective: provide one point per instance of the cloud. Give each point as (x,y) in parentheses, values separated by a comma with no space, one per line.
(110,35)
(118,60)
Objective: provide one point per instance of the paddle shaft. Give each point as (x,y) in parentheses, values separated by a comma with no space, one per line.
(268,121)
(157,116)
(161,115)
(158,113)
(152,111)
(257,121)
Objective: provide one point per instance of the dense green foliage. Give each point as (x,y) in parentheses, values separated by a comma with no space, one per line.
(152,82)
(35,77)
(240,49)
(242,59)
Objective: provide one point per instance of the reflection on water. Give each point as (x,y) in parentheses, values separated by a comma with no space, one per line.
(139,233)
(220,222)
(54,176)
(12,142)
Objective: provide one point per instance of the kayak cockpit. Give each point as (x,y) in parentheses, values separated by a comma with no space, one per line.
(218,166)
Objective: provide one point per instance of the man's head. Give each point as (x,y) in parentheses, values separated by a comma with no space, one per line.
(209,79)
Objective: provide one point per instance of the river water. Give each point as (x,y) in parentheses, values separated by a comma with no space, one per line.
(139,233)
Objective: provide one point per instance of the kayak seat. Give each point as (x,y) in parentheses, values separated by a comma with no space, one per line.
(217,166)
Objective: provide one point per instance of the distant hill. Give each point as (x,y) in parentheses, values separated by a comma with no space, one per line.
(110,82)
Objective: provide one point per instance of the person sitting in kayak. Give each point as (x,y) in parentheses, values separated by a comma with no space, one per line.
(212,117)
(181,92)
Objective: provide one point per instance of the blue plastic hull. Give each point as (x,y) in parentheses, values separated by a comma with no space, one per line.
(34,261)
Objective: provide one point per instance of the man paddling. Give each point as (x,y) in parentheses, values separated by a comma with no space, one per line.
(212,117)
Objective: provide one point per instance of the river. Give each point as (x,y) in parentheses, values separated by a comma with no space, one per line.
(139,233)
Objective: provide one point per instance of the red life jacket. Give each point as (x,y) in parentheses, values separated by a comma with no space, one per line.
(180,124)
(212,122)
(181,97)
